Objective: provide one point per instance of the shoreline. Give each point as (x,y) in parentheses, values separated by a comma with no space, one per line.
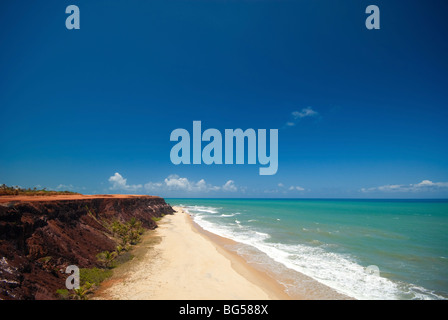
(181,263)
(285,282)
(258,277)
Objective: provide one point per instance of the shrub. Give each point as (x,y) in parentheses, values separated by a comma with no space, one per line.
(63,294)
(94,275)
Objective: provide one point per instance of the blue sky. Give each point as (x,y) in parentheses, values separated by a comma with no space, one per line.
(361,113)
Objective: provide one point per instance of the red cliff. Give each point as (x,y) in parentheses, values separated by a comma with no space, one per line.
(41,236)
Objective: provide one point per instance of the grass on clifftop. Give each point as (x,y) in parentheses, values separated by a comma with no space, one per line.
(18,191)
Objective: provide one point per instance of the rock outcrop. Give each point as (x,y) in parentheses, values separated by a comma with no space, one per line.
(39,238)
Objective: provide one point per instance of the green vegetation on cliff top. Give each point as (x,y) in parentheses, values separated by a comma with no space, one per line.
(18,191)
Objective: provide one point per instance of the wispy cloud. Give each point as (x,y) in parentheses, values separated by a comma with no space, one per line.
(296,188)
(285,189)
(305,112)
(65,187)
(424,186)
(296,116)
(69,187)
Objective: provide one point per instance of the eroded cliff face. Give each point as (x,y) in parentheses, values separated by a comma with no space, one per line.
(39,239)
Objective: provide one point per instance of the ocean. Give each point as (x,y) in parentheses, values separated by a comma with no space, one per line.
(363,249)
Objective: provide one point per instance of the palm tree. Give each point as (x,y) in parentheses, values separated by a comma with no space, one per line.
(106,258)
(119,249)
(82,292)
(115,228)
(134,236)
(132,223)
(124,239)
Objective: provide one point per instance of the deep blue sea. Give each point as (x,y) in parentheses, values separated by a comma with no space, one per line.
(364,249)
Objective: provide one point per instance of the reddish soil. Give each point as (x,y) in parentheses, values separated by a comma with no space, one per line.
(41,235)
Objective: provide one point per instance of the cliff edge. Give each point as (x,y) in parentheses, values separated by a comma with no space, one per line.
(41,236)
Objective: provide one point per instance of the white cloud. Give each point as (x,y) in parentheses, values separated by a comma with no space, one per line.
(285,189)
(429,183)
(174,182)
(171,183)
(65,187)
(305,112)
(120,183)
(70,187)
(230,186)
(294,188)
(424,186)
(151,186)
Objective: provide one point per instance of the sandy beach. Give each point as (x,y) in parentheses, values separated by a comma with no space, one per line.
(185,263)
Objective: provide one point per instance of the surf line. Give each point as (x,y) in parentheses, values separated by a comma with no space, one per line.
(212,153)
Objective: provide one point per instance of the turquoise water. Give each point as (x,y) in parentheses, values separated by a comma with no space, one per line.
(339,242)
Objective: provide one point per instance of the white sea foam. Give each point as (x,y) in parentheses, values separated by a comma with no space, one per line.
(203,209)
(338,271)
